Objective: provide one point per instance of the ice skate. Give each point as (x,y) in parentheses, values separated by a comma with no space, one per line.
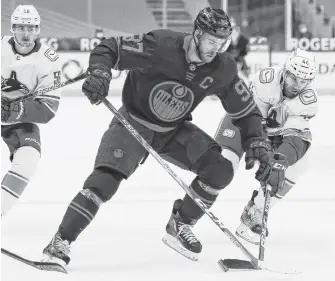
(251,222)
(180,237)
(57,251)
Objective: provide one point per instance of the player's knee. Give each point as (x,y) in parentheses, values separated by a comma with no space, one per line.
(25,161)
(216,171)
(214,174)
(103,182)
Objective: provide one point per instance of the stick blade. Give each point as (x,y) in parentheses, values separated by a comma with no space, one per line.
(47,266)
(243,265)
(236,264)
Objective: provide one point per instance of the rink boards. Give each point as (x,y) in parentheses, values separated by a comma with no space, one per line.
(74,63)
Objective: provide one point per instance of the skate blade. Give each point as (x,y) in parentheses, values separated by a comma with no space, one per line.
(174,244)
(47,258)
(243,233)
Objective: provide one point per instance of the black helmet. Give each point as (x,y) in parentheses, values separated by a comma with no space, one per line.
(214,21)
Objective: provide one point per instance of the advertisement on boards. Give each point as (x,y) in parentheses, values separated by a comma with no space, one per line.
(75,63)
(313,44)
(325,78)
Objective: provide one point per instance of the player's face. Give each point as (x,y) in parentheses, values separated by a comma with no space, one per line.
(25,35)
(209,46)
(294,85)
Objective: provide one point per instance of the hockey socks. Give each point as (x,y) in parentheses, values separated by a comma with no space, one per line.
(12,186)
(79,214)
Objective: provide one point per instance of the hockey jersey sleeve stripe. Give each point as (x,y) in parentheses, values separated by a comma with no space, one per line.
(243,112)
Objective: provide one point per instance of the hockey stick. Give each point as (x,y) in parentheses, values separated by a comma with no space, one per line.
(51,88)
(202,206)
(266,208)
(47,266)
(227,264)
(237,264)
(267,200)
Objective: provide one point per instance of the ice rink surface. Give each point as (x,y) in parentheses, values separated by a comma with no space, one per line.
(124,243)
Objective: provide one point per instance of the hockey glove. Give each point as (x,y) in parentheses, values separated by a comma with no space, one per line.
(97,83)
(277,177)
(11,112)
(259,149)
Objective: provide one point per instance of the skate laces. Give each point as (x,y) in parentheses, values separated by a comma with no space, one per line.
(255,215)
(61,245)
(186,232)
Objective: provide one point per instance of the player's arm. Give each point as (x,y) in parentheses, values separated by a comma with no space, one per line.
(43,107)
(125,52)
(245,114)
(296,133)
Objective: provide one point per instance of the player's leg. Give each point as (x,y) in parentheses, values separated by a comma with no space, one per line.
(251,218)
(228,136)
(118,156)
(23,141)
(229,139)
(194,150)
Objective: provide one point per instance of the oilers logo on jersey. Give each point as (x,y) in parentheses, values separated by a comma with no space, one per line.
(171,101)
(13,84)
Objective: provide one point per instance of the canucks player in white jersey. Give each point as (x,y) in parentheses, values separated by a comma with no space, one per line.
(26,66)
(288,101)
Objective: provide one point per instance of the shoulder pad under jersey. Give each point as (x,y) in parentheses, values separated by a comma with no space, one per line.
(305,104)
(266,84)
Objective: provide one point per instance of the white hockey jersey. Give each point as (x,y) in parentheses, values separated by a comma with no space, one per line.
(283,116)
(23,74)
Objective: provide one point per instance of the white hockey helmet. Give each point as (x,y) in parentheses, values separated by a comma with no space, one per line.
(302,64)
(25,14)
